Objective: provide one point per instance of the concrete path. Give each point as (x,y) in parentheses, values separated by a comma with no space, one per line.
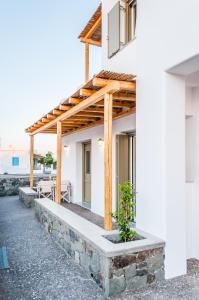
(39,269)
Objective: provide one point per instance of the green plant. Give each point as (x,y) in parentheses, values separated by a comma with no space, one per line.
(125,213)
(48,160)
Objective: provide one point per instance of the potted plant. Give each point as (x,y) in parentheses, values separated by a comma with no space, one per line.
(125,215)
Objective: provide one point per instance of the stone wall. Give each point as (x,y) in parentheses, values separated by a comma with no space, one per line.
(27,196)
(9,184)
(113,274)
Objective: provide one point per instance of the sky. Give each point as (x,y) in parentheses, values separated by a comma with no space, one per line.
(41,62)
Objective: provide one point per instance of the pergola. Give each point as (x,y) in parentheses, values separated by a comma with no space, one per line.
(106,97)
(92,35)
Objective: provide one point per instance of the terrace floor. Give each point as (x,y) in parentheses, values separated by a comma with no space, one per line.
(85,213)
(40,270)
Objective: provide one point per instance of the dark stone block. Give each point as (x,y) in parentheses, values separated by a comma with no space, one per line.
(141,272)
(97,278)
(150,278)
(141,269)
(123,261)
(73,236)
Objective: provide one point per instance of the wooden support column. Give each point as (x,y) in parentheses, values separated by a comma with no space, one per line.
(86,62)
(31,160)
(59,157)
(108,103)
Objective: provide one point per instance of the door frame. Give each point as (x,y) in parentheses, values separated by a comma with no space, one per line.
(84,203)
(131,160)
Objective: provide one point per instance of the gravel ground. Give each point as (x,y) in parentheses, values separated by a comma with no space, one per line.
(40,270)
(180,288)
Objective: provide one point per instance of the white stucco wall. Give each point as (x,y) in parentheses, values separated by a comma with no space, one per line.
(192,169)
(124,60)
(72,162)
(6,161)
(165,36)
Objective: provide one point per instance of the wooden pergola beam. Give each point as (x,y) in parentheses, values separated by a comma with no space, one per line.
(92,100)
(70,125)
(94,27)
(40,123)
(51,117)
(115,104)
(57,112)
(72,122)
(124,97)
(89,114)
(119,96)
(100,122)
(91,42)
(64,107)
(83,118)
(124,85)
(75,101)
(49,132)
(45,120)
(86,92)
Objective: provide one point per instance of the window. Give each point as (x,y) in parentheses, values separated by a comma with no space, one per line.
(15,161)
(121,25)
(88,163)
(131,19)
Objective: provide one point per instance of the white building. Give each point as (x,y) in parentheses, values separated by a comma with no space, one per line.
(16,161)
(158,42)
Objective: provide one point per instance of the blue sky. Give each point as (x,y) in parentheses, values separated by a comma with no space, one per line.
(41,62)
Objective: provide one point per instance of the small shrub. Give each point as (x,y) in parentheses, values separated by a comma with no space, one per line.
(125,213)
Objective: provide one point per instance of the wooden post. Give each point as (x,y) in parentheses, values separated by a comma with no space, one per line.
(86,62)
(108,99)
(31,160)
(59,157)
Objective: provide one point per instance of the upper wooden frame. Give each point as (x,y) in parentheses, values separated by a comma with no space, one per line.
(92,32)
(85,108)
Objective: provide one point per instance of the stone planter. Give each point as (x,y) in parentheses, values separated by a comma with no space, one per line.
(114,267)
(114,238)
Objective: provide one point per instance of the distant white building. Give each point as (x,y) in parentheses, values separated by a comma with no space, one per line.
(17,161)
(14,161)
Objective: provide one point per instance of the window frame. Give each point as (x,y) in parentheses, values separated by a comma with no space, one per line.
(128,34)
(15,161)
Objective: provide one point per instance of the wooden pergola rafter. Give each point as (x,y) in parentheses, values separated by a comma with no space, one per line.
(92,32)
(107,97)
